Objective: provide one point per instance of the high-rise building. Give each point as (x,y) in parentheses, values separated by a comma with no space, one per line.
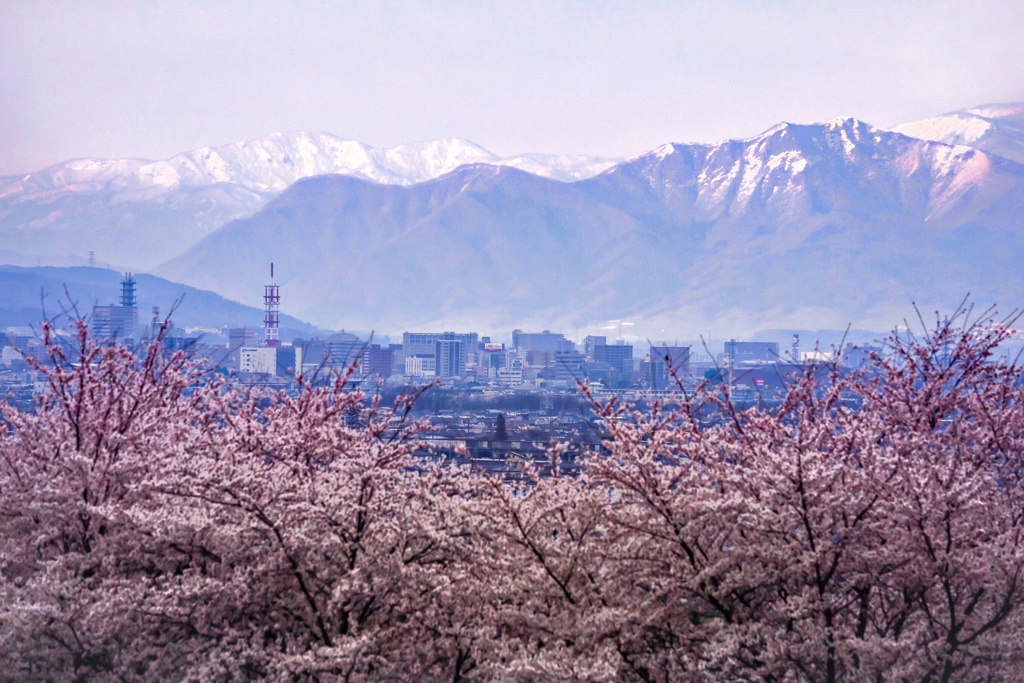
(450,357)
(262,359)
(342,350)
(289,361)
(859,356)
(491,357)
(738,351)
(569,366)
(619,356)
(590,342)
(420,365)
(241,336)
(397,355)
(419,343)
(156,326)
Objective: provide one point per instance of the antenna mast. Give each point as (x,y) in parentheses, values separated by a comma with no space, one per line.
(271,311)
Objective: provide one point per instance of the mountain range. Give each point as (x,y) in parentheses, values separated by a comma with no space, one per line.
(136,213)
(830,223)
(802,226)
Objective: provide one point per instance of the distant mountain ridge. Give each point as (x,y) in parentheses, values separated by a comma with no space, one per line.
(803,226)
(993,128)
(271,164)
(137,213)
(800,226)
(804,170)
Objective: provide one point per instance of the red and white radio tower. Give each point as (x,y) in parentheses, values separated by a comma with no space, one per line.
(271,311)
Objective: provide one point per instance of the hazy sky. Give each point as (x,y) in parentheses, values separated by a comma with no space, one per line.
(150,79)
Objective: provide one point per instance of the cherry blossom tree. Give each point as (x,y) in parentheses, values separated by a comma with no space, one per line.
(157,523)
(869,529)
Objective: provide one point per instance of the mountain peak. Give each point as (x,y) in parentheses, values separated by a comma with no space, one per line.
(845,123)
(992,128)
(1011,111)
(664,150)
(848,124)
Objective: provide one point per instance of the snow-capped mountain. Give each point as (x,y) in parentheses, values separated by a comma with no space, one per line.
(137,213)
(803,225)
(795,172)
(994,128)
(270,164)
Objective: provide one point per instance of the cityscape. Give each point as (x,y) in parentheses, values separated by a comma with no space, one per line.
(445,342)
(530,385)
(531,361)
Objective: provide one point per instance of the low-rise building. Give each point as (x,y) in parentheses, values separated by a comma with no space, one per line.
(421,365)
(258,359)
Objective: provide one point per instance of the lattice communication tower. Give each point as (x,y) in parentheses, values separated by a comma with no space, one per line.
(271,311)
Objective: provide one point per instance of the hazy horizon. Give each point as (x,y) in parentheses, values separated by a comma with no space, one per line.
(151,80)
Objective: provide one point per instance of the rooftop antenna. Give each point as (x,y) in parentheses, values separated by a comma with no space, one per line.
(271,311)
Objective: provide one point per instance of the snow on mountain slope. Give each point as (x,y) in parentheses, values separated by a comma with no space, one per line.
(954,129)
(564,167)
(819,224)
(77,175)
(994,128)
(275,162)
(796,171)
(1007,112)
(798,225)
(270,164)
(137,213)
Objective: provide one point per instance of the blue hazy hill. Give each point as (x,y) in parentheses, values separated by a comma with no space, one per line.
(28,292)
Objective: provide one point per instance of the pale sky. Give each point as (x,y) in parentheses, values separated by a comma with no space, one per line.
(151,79)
